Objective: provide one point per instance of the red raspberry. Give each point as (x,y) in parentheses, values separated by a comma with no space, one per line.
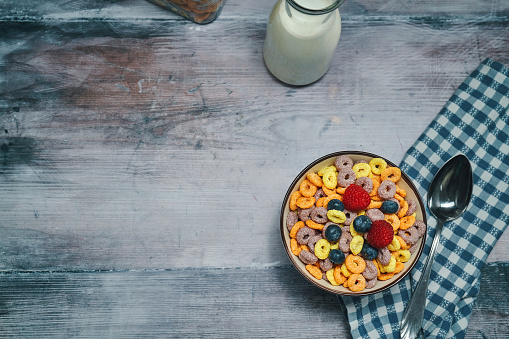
(380,234)
(356,198)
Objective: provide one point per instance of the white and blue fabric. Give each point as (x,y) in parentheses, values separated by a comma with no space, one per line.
(474,122)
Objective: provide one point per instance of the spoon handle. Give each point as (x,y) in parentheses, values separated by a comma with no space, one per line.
(411,322)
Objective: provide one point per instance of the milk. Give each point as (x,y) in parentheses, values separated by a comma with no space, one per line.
(299,47)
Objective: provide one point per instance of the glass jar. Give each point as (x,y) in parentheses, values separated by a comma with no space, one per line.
(301,38)
(199,11)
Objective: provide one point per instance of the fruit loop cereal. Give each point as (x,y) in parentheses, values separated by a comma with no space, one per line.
(351,223)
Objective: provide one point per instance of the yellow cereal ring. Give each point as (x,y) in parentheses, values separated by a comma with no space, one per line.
(325,169)
(393,220)
(314,179)
(385,276)
(322,249)
(305,202)
(334,245)
(341,190)
(336,216)
(338,276)
(314,225)
(391,173)
(361,170)
(403,255)
(345,271)
(330,180)
(378,165)
(355,264)
(353,232)
(403,209)
(314,271)
(390,267)
(330,277)
(356,282)
(356,245)
(399,267)
(319,202)
(394,245)
(406,222)
(361,212)
(293,200)
(297,226)
(403,244)
(294,245)
(307,189)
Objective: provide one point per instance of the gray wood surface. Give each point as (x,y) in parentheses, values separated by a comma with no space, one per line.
(144,159)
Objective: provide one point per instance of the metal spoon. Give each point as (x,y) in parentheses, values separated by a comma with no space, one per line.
(448,196)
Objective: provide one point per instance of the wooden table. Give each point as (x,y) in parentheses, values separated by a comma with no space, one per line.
(144,159)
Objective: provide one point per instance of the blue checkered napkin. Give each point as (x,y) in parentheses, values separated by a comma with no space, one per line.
(474,122)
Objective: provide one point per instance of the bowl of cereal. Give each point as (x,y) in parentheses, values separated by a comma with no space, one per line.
(353,223)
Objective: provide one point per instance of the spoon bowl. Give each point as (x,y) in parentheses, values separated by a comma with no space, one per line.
(448,197)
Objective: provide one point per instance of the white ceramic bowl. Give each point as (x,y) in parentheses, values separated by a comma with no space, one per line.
(328,160)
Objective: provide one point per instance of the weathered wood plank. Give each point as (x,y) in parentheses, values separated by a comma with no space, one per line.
(147,146)
(268,303)
(26,10)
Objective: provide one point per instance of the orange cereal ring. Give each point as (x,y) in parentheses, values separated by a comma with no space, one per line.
(391,173)
(314,225)
(376,184)
(355,264)
(406,222)
(315,271)
(297,226)
(294,245)
(293,200)
(338,276)
(305,202)
(307,189)
(403,209)
(399,198)
(328,191)
(399,267)
(319,202)
(385,276)
(378,165)
(329,198)
(356,282)
(393,220)
(314,179)
(304,247)
(341,190)
(374,204)
(400,191)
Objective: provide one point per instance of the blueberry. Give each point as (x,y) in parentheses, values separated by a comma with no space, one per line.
(336,256)
(389,207)
(368,251)
(333,232)
(335,204)
(362,224)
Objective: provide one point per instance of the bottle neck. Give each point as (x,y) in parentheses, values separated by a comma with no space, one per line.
(311,7)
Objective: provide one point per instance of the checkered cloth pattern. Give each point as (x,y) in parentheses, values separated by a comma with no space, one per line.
(474,122)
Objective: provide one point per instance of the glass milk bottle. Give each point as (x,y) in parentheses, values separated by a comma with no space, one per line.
(301,38)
